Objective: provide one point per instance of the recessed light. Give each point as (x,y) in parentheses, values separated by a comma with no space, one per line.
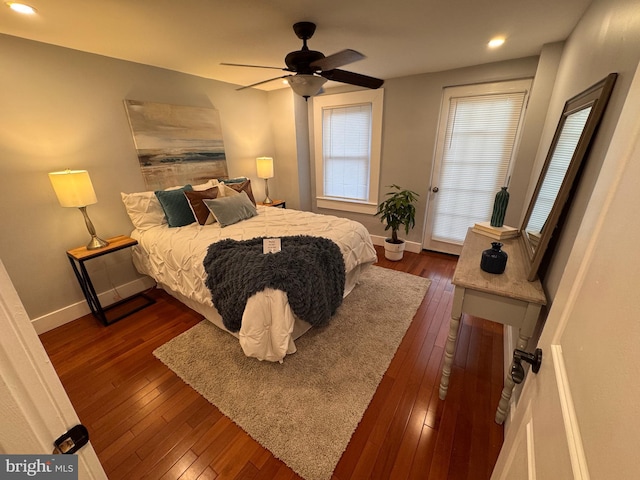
(21,8)
(496,42)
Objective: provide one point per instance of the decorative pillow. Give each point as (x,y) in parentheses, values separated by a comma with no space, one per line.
(176,207)
(230,210)
(143,209)
(244,186)
(229,181)
(199,209)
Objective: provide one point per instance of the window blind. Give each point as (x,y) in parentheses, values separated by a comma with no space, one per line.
(346,137)
(479,143)
(558,165)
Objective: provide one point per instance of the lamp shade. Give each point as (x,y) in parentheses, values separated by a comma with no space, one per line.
(306,85)
(73,188)
(265,167)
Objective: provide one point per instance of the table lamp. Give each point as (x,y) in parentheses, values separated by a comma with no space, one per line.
(74,189)
(265,170)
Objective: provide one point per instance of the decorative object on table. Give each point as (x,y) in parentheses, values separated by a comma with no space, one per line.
(500,207)
(498,233)
(494,260)
(74,189)
(177,145)
(396,211)
(265,170)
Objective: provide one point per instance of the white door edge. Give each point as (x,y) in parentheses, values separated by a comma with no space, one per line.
(31,390)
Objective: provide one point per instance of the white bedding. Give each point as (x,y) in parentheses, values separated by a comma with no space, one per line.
(173,257)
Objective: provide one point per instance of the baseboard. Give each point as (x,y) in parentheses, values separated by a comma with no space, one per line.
(410,246)
(74,311)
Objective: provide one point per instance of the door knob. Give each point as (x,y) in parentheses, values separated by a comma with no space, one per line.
(535,359)
(435,189)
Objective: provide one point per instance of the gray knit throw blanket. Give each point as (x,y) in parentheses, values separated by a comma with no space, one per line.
(309,269)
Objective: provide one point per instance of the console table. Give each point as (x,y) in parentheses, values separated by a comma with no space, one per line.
(507,298)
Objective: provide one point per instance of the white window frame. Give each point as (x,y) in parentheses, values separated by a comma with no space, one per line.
(375,98)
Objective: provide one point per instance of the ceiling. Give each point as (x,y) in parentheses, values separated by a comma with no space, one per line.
(399,38)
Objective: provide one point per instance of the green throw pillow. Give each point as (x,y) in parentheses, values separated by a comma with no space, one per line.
(176,207)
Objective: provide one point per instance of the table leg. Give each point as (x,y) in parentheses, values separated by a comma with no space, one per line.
(88,290)
(509,385)
(450,347)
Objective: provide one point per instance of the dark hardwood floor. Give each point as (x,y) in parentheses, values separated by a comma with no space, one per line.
(145,422)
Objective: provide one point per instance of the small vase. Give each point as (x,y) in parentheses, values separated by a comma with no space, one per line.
(500,207)
(494,260)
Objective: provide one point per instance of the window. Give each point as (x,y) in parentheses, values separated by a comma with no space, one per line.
(477,140)
(347,137)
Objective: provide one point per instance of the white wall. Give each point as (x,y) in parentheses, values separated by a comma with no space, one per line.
(606,40)
(64,109)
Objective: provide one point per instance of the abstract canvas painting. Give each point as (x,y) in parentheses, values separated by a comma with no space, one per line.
(176,144)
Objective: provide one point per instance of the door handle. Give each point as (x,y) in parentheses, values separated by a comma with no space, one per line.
(72,441)
(435,189)
(535,359)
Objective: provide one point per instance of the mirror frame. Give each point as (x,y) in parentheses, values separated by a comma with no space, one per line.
(597,97)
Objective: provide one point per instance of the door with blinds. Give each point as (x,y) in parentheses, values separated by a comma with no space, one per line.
(477,141)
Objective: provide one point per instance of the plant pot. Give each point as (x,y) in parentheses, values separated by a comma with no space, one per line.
(393,251)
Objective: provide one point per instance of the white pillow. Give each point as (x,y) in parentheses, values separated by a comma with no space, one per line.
(202,186)
(226,191)
(144,210)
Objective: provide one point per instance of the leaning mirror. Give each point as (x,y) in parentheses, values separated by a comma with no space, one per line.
(578,123)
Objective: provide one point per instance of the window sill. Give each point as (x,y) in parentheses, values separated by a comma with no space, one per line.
(347,205)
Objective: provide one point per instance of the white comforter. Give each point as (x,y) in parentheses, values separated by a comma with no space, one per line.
(173,257)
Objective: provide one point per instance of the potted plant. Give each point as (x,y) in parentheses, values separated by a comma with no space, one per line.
(396,211)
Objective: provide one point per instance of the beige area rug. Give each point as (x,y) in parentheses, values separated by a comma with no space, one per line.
(306,409)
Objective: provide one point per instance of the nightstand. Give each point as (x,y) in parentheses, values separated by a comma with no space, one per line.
(275,203)
(120,309)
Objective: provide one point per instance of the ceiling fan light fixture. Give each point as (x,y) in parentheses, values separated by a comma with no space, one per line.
(306,85)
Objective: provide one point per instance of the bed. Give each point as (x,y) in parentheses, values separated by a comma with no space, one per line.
(173,256)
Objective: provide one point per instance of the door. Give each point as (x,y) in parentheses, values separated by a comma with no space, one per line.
(579,417)
(477,139)
(35,408)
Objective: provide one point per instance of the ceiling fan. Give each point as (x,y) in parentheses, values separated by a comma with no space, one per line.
(312,69)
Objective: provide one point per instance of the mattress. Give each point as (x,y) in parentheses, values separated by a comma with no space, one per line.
(173,258)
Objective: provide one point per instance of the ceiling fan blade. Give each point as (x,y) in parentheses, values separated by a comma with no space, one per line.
(337,60)
(264,81)
(252,66)
(352,78)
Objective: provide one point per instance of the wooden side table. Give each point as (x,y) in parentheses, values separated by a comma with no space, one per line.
(507,298)
(275,203)
(78,257)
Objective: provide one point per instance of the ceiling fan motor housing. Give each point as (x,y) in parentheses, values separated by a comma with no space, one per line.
(300,60)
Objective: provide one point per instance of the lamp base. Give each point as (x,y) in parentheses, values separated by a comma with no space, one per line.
(267,200)
(96,242)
